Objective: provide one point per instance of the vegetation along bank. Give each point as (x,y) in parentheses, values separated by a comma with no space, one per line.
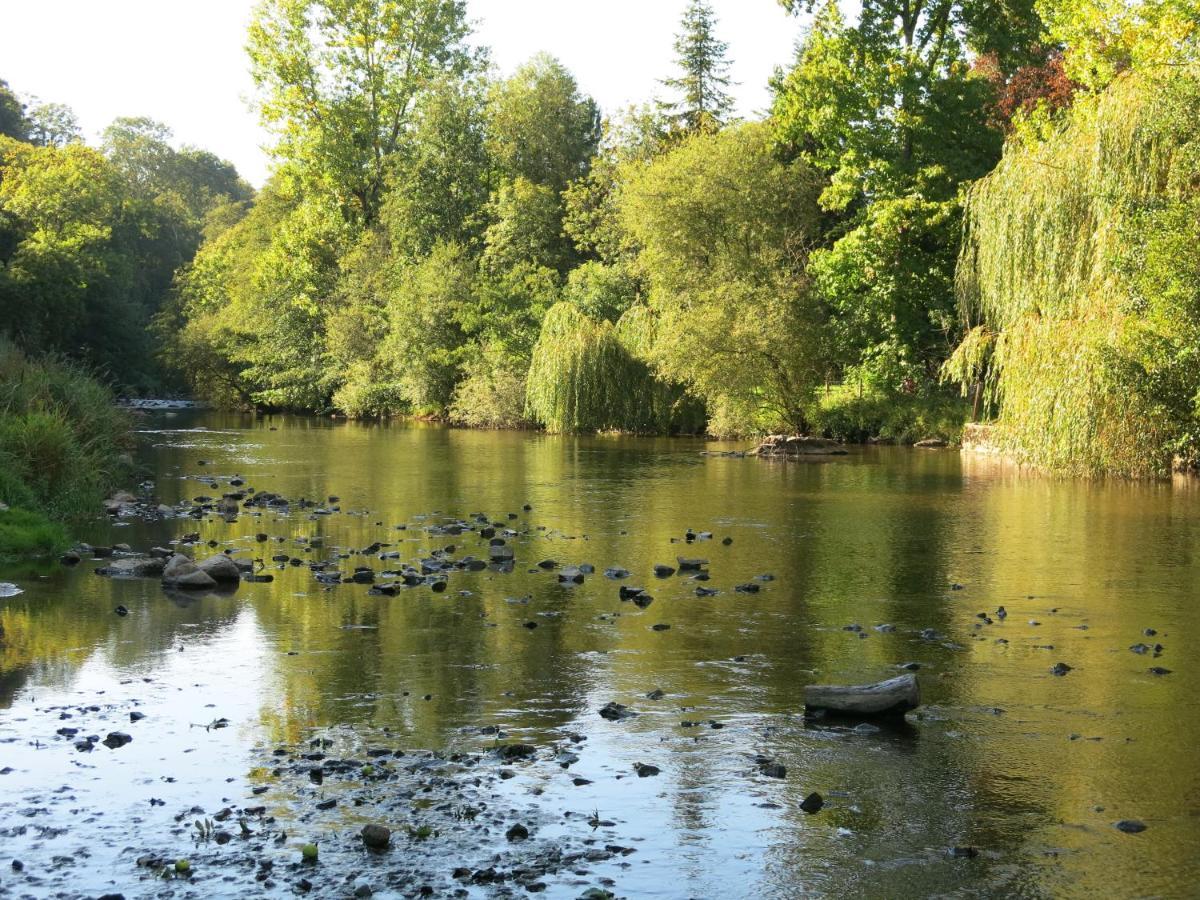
(946,216)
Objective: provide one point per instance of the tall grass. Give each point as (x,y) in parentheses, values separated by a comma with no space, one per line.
(62,440)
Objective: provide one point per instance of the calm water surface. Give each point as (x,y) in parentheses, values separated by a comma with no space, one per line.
(1031,769)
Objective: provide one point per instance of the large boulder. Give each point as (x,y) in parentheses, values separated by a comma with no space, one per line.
(175,565)
(195,580)
(182,572)
(221,568)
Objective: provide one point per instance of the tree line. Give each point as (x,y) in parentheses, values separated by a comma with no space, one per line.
(91,237)
(437,240)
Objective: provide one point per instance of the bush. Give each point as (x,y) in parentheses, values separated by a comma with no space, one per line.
(46,456)
(13,489)
(492,393)
(61,447)
(845,415)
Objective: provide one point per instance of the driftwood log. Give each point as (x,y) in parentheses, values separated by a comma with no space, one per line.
(894,697)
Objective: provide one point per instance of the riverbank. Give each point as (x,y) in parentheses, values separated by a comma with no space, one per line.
(842,413)
(63,445)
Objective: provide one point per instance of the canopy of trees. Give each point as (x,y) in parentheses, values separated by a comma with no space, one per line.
(441,240)
(91,238)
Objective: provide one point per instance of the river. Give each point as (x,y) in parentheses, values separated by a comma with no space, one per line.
(1023,771)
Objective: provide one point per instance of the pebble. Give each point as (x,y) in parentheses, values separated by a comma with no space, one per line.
(812,803)
(376,837)
(1130,826)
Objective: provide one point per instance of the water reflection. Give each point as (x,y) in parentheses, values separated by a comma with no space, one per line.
(1029,768)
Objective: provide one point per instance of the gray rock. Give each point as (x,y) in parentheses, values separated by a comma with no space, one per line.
(177,565)
(134,567)
(192,580)
(376,837)
(221,568)
(893,697)
(116,739)
(1130,826)
(812,803)
(615,712)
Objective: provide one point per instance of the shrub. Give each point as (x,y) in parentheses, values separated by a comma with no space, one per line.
(61,447)
(492,392)
(846,415)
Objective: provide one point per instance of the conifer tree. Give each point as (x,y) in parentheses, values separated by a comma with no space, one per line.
(703,102)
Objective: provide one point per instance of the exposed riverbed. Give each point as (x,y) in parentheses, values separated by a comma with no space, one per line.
(1008,781)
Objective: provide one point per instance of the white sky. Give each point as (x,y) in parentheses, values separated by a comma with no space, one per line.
(182,61)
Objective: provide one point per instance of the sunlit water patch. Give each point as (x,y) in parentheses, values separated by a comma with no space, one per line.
(1008,781)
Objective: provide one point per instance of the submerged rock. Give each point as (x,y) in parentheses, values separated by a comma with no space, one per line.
(615,712)
(784,446)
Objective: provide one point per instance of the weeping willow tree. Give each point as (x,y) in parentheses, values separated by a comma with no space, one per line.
(585,376)
(1081,311)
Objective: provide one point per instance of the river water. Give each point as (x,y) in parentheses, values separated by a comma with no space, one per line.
(1027,769)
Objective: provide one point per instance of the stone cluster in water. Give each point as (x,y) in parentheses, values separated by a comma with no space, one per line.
(453,826)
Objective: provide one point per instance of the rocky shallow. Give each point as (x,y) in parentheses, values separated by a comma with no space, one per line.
(185,782)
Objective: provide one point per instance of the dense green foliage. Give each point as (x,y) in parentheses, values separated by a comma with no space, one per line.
(1080,280)
(339,80)
(440,241)
(90,239)
(723,229)
(62,442)
(891,111)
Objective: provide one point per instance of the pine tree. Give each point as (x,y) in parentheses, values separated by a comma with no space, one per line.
(703,102)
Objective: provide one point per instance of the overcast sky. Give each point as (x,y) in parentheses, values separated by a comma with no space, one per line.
(182,61)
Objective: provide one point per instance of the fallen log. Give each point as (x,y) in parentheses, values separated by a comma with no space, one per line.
(893,697)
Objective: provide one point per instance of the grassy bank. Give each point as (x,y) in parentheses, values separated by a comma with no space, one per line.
(61,447)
